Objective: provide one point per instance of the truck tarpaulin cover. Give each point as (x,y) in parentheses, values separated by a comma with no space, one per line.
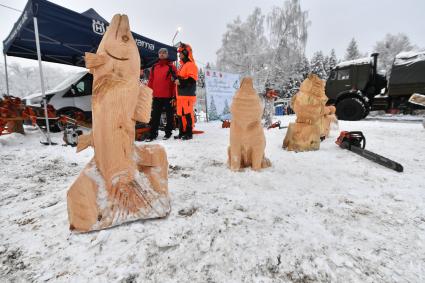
(65,35)
(408,67)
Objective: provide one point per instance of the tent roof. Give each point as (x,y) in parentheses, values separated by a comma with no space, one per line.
(65,35)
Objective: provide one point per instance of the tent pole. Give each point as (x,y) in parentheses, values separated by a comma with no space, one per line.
(37,42)
(7,77)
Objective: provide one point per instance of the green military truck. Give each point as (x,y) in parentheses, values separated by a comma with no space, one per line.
(355,87)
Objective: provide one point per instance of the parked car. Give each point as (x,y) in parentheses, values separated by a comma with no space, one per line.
(72,97)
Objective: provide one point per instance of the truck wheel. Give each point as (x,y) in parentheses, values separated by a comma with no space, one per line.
(351,109)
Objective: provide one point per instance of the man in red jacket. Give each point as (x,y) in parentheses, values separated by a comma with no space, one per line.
(161,81)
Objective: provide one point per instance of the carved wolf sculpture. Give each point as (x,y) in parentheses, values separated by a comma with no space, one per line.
(247,140)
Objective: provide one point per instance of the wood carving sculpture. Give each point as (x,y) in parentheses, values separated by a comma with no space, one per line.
(123,182)
(327,120)
(247,140)
(313,117)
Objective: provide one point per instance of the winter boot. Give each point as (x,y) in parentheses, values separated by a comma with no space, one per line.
(151,137)
(167,136)
(188,134)
(181,132)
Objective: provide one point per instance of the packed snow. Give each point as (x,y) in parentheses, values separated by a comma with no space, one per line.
(323,216)
(361,61)
(407,58)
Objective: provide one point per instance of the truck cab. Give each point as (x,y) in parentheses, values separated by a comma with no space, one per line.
(352,86)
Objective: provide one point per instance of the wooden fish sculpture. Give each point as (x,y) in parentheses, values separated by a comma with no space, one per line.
(123,182)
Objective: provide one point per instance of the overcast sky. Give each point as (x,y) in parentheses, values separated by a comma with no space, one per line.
(333,22)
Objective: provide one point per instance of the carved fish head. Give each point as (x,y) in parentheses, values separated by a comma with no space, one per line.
(117,57)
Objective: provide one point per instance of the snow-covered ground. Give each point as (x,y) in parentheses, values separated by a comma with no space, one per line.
(324,216)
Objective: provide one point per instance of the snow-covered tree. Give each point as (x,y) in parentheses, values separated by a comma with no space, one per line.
(303,68)
(291,88)
(332,60)
(242,45)
(226,109)
(270,59)
(287,26)
(389,47)
(352,51)
(201,78)
(318,65)
(26,80)
(212,110)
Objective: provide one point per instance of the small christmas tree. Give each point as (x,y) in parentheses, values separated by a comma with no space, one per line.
(226,109)
(212,110)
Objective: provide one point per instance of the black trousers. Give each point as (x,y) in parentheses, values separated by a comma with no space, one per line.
(159,105)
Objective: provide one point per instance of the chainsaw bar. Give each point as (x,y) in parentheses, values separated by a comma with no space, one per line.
(356,142)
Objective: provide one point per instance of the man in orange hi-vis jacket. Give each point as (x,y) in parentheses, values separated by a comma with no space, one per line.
(186,91)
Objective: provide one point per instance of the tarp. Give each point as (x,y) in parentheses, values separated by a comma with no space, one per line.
(408,67)
(407,74)
(65,35)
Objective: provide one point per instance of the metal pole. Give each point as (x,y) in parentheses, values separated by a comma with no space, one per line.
(174,37)
(37,42)
(7,77)
(206,105)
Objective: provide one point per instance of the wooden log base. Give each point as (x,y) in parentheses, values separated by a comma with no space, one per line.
(91,206)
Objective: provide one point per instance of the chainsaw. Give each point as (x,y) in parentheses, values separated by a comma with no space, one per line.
(356,142)
(225,124)
(276,125)
(71,134)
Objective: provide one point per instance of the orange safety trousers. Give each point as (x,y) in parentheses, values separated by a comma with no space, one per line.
(185,105)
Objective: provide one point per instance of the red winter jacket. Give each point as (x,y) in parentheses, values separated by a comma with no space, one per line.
(160,79)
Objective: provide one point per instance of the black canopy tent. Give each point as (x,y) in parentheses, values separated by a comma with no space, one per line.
(48,32)
(65,35)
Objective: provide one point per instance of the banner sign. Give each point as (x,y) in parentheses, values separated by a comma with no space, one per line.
(220,88)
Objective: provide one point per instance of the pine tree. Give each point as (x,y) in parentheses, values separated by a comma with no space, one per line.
(333,60)
(317,65)
(201,78)
(212,110)
(302,68)
(352,51)
(226,109)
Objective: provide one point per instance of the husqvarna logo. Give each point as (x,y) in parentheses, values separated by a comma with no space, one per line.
(98,27)
(145,44)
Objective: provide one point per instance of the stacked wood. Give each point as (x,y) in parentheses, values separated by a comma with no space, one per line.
(247,140)
(123,182)
(12,115)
